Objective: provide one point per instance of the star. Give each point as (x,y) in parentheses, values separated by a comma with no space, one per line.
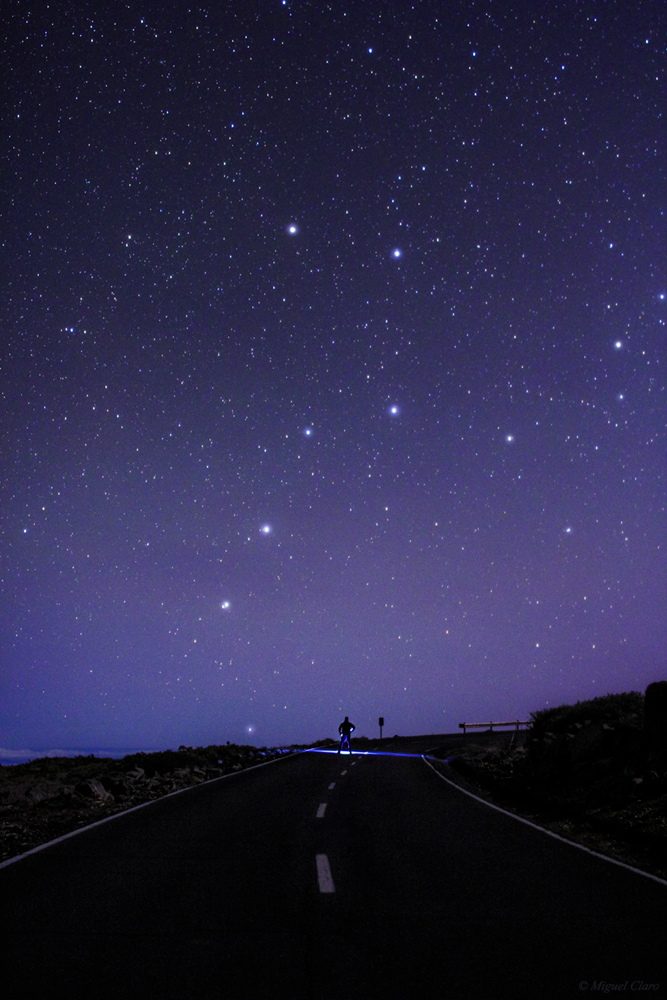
(185,436)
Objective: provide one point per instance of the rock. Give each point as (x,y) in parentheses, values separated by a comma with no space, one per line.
(67,793)
(43,791)
(12,795)
(118,786)
(136,774)
(655,714)
(92,788)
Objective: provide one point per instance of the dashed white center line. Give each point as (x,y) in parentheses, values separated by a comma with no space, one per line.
(342,773)
(332,785)
(324,878)
(321,809)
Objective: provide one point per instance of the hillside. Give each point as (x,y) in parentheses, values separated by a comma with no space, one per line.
(589,772)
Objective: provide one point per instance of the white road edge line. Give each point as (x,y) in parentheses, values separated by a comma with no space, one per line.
(321,809)
(549,833)
(324,878)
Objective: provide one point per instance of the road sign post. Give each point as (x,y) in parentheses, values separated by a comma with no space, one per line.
(381,724)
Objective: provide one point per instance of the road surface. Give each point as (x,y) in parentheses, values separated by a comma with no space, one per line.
(325,877)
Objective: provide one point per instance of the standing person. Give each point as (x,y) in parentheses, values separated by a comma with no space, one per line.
(345,730)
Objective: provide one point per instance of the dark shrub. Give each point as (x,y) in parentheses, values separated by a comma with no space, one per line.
(607,708)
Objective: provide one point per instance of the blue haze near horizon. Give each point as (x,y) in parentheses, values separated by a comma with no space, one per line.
(333,344)
(25,755)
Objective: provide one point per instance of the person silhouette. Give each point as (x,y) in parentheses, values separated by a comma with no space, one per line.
(345,730)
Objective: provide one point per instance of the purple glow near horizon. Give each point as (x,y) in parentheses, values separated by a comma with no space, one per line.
(333,347)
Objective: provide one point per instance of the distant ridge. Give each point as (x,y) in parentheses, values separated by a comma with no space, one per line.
(23,756)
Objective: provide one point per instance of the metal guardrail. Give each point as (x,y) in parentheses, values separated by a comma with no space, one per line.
(490,726)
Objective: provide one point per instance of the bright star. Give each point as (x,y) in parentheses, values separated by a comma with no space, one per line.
(225,605)
(509,438)
(618,344)
(266,529)
(394,410)
(308,432)
(396,253)
(292,229)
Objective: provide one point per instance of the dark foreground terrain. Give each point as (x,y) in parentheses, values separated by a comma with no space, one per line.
(596,783)
(318,877)
(52,796)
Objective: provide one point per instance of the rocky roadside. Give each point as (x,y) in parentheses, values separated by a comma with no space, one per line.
(52,796)
(598,785)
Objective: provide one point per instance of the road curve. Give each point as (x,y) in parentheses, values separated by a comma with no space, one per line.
(323,877)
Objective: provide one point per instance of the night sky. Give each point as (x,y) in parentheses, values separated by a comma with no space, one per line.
(333,352)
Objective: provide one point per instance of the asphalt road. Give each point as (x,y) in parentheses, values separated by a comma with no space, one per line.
(324,877)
